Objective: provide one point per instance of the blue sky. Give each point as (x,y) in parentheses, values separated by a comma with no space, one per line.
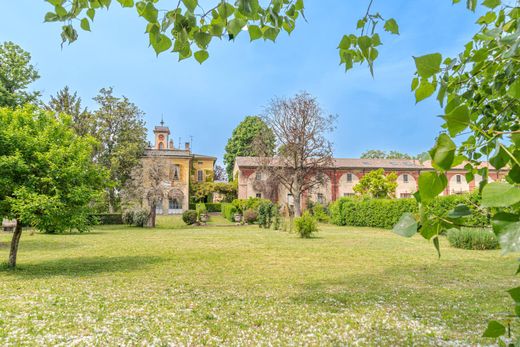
(207,101)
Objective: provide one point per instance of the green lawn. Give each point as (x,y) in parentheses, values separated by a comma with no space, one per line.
(246,286)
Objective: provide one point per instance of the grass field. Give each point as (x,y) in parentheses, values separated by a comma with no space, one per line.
(246,286)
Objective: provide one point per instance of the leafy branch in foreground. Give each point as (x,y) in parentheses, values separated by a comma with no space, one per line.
(480,93)
(188,26)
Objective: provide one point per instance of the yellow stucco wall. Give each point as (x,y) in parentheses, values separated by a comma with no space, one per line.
(204,164)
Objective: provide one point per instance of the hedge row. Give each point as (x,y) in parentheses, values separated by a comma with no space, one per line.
(384,213)
(108,218)
(210,206)
(228,211)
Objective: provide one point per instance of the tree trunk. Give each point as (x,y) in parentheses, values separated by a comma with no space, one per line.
(151,218)
(14,245)
(297,205)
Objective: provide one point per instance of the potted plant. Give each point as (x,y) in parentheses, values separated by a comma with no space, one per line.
(238,217)
(202,213)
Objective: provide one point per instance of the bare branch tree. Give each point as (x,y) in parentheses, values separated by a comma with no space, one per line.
(149,182)
(302,148)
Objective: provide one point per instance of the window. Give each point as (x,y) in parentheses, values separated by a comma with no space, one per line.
(320,198)
(200,163)
(161,145)
(458,178)
(349,177)
(258,176)
(405,178)
(405,195)
(290,199)
(259,195)
(175,172)
(174,204)
(200,176)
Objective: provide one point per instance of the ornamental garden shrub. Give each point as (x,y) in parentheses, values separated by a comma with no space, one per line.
(442,205)
(267,214)
(213,206)
(228,211)
(107,218)
(305,225)
(189,217)
(320,212)
(137,217)
(250,216)
(473,238)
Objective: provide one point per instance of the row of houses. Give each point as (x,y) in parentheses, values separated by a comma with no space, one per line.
(344,173)
(340,177)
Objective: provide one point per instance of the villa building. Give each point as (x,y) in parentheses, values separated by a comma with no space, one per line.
(182,168)
(344,174)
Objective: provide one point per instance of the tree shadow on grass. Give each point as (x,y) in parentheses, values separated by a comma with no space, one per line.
(81,266)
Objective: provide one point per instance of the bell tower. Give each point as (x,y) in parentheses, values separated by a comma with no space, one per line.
(162,134)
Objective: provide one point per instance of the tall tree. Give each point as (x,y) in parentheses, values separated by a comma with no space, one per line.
(16,74)
(47,178)
(243,139)
(120,129)
(219,173)
(302,148)
(70,103)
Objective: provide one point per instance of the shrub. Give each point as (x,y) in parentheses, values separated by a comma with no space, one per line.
(320,212)
(201,209)
(214,207)
(473,238)
(107,218)
(380,213)
(128,217)
(140,217)
(250,216)
(267,210)
(384,213)
(244,204)
(228,211)
(305,225)
(189,217)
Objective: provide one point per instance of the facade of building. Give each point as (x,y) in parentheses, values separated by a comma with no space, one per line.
(182,167)
(344,174)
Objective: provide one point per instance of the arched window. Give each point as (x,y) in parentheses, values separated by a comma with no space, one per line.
(161,145)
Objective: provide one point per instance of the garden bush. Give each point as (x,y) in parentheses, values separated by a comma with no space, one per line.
(228,211)
(201,209)
(384,213)
(213,206)
(250,216)
(305,225)
(137,217)
(107,218)
(320,212)
(267,211)
(473,238)
(189,217)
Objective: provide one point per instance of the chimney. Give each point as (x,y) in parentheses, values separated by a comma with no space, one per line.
(171,144)
(187,146)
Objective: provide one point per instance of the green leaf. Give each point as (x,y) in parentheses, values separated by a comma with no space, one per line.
(126,3)
(500,159)
(84,24)
(494,329)
(201,56)
(457,120)
(271,33)
(430,229)
(491,3)
(428,65)
(500,194)
(415,83)
(406,226)
(459,211)
(190,4)
(515,294)
(51,17)
(160,42)
(391,26)
(202,39)
(91,13)
(255,32)
(235,26)
(345,42)
(509,239)
(150,12)
(443,154)
(514,89)
(424,90)
(437,245)
(431,184)
(501,220)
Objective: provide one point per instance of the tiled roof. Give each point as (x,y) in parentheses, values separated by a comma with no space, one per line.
(357,163)
(161,129)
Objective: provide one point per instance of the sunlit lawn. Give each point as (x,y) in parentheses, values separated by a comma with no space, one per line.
(246,286)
